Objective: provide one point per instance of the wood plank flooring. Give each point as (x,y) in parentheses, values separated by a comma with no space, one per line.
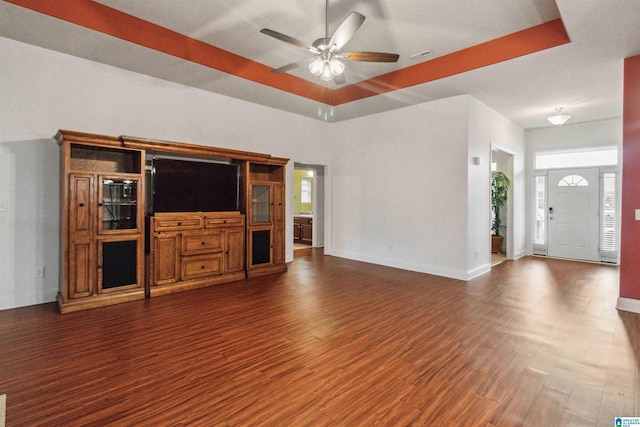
(333,342)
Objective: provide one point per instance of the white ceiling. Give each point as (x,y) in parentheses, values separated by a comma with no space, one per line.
(583,76)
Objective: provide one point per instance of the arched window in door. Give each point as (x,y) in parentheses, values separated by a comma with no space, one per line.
(573,181)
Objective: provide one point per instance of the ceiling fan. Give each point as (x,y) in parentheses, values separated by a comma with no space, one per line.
(327,63)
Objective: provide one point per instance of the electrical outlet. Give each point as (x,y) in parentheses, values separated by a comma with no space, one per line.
(40,273)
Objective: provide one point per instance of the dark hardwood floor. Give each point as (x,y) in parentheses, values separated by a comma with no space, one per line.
(333,342)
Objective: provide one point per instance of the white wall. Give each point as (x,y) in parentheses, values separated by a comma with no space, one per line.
(407,195)
(400,188)
(569,136)
(487,129)
(398,183)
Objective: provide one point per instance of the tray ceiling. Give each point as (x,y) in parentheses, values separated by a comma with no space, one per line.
(521,58)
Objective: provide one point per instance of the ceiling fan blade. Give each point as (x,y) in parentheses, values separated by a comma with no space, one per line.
(371,56)
(287,39)
(346,30)
(291,66)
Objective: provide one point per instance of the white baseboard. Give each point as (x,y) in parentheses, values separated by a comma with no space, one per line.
(519,254)
(628,304)
(420,268)
(3,409)
(26,299)
(478,271)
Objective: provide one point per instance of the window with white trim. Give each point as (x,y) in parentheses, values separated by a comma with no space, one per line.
(581,158)
(573,181)
(305,190)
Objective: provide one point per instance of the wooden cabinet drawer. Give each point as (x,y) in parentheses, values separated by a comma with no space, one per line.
(200,243)
(224,221)
(177,223)
(194,267)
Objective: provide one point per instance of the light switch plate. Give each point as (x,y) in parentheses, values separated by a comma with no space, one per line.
(637,214)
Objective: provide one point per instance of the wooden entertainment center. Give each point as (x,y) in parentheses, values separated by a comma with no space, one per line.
(114,250)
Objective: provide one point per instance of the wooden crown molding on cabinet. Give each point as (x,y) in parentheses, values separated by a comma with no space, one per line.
(166,147)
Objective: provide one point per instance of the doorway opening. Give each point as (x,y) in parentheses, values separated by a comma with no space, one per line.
(502,161)
(308,207)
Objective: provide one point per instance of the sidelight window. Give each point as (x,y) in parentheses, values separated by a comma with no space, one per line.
(608,218)
(540,236)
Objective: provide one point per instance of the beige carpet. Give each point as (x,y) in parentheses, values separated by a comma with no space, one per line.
(3,407)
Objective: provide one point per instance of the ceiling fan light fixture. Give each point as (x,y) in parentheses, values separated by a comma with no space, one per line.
(317,66)
(336,67)
(558,118)
(326,67)
(326,75)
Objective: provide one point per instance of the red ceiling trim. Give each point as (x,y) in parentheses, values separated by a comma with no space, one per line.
(104,19)
(525,42)
(101,18)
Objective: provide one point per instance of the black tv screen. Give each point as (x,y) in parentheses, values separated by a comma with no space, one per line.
(194,186)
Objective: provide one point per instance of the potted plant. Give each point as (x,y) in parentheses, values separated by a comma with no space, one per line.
(499,191)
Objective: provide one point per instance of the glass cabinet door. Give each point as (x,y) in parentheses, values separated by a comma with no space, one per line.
(119,203)
(260,204)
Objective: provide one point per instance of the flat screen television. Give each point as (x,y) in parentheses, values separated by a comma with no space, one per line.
(194,186)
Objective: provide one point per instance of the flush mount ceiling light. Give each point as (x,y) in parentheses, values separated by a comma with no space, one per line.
(558,118)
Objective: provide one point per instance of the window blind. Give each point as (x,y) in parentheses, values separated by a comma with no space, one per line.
(608,214)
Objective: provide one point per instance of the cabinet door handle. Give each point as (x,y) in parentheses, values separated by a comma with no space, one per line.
(202,243)
(81,205)
(225,221)
(202,267)
(179,224)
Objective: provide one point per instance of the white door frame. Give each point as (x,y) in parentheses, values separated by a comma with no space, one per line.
(508,170)
(321,205)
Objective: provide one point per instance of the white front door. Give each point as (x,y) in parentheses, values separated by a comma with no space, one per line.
(573,212)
